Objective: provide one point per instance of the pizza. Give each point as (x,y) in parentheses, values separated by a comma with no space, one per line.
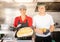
(43,29)
(26,31)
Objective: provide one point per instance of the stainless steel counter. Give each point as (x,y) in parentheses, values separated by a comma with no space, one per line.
(17,41)
(11,32)
(57,29)
(6,32)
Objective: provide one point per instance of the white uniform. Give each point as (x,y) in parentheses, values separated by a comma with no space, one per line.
(43,22)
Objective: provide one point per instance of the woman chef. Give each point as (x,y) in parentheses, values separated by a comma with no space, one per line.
(23,20)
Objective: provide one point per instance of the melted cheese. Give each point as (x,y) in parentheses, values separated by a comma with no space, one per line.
(24,31)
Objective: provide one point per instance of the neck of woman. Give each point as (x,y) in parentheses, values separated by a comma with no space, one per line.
(23,17)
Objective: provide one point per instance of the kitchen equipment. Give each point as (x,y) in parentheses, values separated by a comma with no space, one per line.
(25,32)
(45,31)
(9,37)
(9,40)
(1,36)
(4,27)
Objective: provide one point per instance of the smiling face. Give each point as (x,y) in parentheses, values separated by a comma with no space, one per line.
(41,8)
(23,11)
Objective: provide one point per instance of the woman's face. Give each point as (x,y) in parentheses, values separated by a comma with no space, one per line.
(22,11)
(41,9)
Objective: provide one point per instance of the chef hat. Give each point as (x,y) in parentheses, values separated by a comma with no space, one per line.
(22,7)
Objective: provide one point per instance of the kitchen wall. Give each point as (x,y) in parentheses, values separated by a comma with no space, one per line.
(2,16)
(10,12)
(10,17)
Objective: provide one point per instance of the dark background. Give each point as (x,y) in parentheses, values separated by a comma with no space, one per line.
(51,6)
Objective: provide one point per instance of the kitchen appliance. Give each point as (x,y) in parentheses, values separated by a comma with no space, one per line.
(4,27)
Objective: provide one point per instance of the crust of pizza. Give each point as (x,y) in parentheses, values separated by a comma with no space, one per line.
(26,31)
(43,29)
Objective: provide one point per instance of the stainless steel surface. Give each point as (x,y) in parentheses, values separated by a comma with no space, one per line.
(17,41)
(57,29)
(6,32)
(24,40)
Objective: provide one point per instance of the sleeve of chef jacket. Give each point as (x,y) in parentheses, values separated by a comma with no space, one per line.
(51,20)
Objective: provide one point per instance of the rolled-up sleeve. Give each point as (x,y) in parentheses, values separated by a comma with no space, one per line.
(51,21)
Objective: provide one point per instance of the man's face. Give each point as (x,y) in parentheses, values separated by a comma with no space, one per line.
(22,11)
(41,9)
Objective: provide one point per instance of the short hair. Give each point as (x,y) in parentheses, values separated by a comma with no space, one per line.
(40,4)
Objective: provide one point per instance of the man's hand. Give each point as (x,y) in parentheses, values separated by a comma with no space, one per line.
(39,31)
(52,28)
